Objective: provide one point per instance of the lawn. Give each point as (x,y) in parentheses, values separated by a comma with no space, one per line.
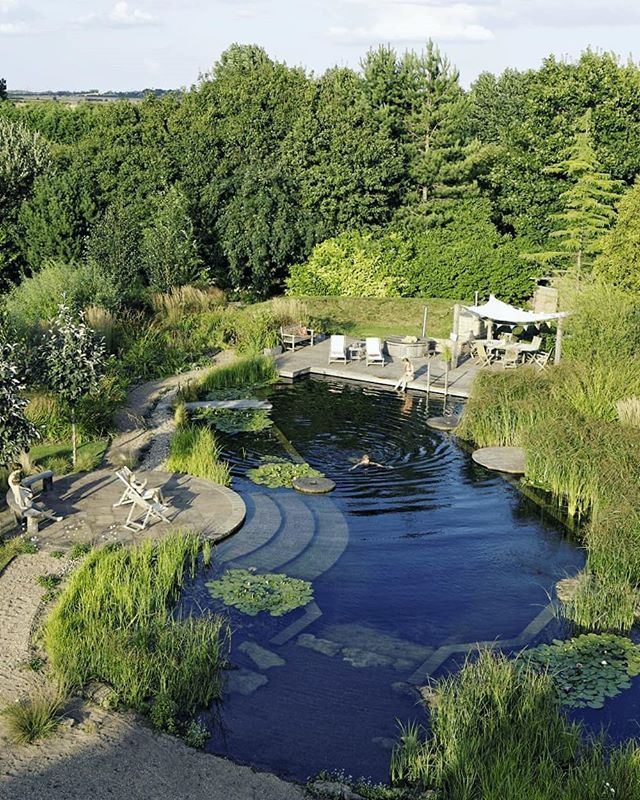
(367,316)
(57,455)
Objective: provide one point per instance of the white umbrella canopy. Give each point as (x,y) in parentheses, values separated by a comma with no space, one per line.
(498,311)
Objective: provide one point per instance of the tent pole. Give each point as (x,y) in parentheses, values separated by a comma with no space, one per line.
(424,321)
(456,334)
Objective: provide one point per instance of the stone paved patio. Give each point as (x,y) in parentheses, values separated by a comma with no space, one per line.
(86,501)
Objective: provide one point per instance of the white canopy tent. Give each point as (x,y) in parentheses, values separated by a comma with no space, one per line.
(496,311)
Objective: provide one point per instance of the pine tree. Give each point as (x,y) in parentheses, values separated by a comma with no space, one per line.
(3,90)
(441,160)
(587,204)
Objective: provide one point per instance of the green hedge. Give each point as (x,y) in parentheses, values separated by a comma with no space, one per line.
(466,256)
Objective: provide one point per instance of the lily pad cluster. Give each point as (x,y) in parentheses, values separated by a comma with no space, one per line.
(275,593)
(589,668)
(281,473)
(231,420)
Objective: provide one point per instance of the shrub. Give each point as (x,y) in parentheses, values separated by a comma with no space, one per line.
(33,718)
(466,256)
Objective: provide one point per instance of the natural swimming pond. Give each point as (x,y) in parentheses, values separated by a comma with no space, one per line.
(410,563)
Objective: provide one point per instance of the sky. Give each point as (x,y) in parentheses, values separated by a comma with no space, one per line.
(135,44)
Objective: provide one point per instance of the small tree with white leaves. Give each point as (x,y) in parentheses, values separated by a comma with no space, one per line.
(16,431)
(75,361)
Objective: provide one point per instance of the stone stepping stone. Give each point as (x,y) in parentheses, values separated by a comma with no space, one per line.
(235,405)
(501,459)
(261,657)
(308,485)
(444,423)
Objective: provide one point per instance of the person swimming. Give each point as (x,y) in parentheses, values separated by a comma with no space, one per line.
(366,461)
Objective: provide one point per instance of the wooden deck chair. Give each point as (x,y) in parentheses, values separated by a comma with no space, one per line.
(480,355)
(133,486)
(510,357)
(337,349)
(373,351)
(143,511)
(541,359)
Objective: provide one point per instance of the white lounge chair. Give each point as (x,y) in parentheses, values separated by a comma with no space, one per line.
(136,488)
(142,511)
(373,350)
(337,349)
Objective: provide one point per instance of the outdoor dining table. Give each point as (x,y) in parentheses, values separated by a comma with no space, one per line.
(522,348)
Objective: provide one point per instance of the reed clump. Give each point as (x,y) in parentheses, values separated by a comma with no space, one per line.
(577,423)
(114,623)
(195,451)
(243,375)
(497,733)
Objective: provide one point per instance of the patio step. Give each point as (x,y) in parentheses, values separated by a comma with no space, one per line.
(263,521)
(293,536)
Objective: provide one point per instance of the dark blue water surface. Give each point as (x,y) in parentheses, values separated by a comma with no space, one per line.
(427,552)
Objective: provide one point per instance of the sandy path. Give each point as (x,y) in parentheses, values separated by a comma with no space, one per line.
(96,754)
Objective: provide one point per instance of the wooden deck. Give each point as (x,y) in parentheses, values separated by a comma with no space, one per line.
(313,360)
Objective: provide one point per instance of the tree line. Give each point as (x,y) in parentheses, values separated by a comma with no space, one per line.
(238,181)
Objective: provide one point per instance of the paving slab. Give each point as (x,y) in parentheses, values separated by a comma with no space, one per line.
(87,500)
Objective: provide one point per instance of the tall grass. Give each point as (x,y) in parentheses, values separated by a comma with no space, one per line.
(629,411)
(194,450)
(243,374)
(183,300)
(113,623)
(497,733)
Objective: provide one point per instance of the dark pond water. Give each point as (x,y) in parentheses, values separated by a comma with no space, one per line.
(410,564)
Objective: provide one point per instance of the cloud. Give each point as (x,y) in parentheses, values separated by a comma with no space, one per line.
(408,22)
(17,18)
(411,21)
(121,15)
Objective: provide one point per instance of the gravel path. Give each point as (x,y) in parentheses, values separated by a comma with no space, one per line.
(98,754)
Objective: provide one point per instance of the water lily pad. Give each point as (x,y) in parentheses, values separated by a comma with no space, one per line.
(589,668)
(281,473)
(275,593)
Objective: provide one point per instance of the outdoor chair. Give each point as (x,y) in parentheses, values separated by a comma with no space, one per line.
(373,350)
(536,342)
(142,511)
(541,359)
(135,487)
(510,358)
(480,355)
(337,349)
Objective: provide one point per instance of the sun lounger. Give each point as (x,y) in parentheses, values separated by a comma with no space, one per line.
(135,486)
(373,350)
(337,349)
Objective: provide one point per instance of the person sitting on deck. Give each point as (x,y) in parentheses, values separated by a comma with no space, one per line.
(407,376)
(24,497)
(366,461)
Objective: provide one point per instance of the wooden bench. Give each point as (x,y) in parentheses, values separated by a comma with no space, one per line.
(31,516)
(293,335)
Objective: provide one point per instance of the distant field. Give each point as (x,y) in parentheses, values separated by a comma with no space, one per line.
(362,316)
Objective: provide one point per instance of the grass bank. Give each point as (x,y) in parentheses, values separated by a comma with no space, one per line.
(582,440)
(365,316)
(114,623)
(497,733)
